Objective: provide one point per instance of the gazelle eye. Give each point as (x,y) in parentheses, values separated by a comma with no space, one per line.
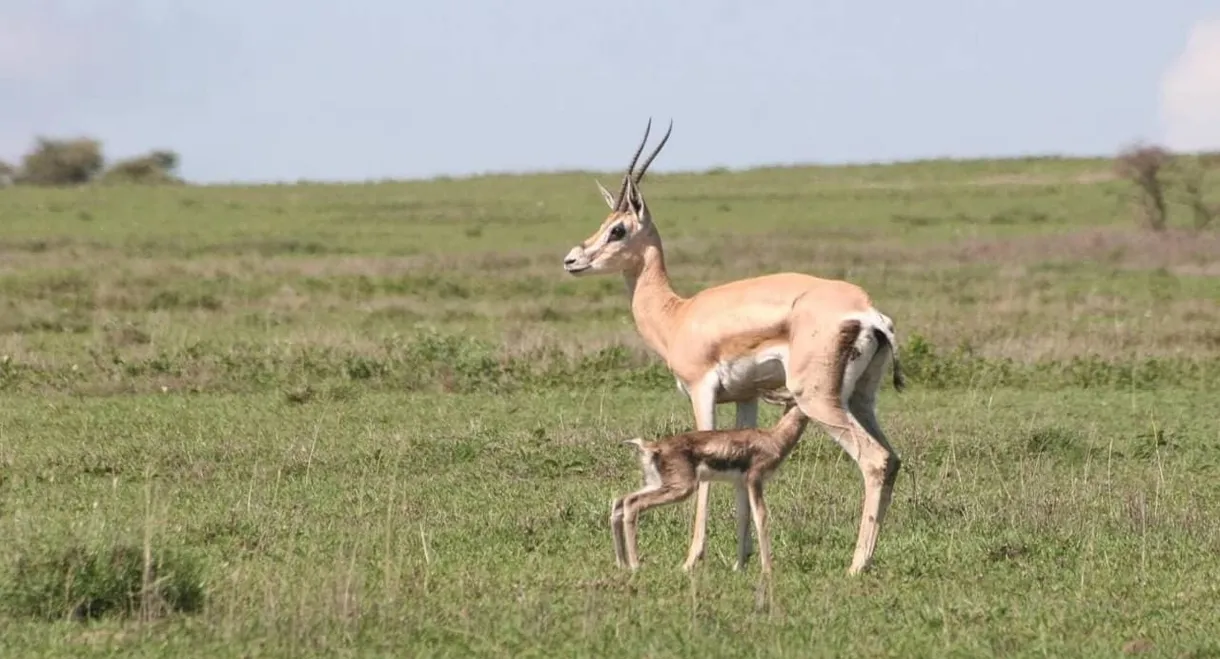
(618,232)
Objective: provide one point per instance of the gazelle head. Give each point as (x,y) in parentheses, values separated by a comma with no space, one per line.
(617,244)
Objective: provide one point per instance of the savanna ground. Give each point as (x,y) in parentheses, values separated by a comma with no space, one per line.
(380,420)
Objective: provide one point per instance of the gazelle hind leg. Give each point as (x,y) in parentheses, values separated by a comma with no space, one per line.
(876,464)
(862,398)
(832,362)
(861,404)
(637,502)
(616,531)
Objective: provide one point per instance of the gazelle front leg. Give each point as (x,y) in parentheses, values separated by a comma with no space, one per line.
(704,404)
(747,417)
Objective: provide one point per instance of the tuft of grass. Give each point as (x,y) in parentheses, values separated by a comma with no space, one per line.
(84,583)
(1056,442)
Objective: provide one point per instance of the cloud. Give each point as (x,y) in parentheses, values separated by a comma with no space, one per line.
(1190,92)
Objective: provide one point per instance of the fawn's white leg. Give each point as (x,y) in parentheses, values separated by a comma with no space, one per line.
(758,509)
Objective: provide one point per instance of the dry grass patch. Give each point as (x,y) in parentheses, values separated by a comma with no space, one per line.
(1173,249)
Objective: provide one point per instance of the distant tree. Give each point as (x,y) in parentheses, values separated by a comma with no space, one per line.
(167,160)
(70,161)
(155,167)
(7,174)
(1144,166)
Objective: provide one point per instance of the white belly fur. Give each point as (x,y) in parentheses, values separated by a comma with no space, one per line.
(766,369)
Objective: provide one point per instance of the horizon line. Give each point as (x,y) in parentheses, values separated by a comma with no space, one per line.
(712,169)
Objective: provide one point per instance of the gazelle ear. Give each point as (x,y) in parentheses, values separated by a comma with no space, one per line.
(635,201)
(605,194)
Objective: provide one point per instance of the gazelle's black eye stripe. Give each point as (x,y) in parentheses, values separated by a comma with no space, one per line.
(618,232)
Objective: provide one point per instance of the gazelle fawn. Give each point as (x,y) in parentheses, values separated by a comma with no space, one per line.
(674,467)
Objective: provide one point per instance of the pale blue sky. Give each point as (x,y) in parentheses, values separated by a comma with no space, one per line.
(282,90)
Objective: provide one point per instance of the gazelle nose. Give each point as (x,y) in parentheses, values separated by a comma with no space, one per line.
(569,260)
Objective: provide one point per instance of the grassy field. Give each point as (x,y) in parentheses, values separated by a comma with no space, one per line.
(380,420)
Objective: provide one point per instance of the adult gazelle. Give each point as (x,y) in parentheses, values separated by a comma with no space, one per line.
(734,342)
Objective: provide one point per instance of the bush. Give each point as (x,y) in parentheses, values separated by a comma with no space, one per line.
(8,174)
(1192,172)
(153,168)
(62,162)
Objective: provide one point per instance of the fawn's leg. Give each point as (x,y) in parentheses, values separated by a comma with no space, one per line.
(698,540)
(637,502)
(758,508)
(616,531)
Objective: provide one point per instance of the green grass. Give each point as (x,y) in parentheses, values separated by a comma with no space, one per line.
(380,420)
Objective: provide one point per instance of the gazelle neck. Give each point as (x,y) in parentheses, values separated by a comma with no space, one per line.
(789,428)
(653,300)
